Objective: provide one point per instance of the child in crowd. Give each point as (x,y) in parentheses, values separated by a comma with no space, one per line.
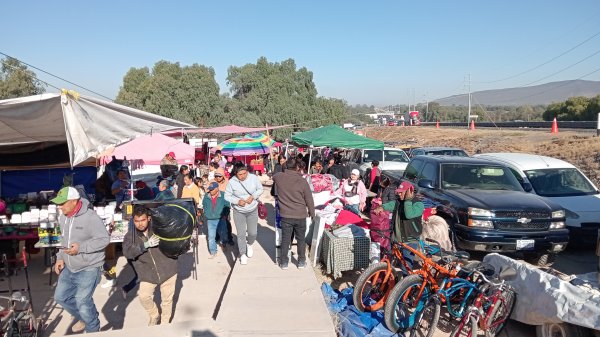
(216,211)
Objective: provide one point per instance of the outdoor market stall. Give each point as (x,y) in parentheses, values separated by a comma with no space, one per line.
(60,130)
(337,237)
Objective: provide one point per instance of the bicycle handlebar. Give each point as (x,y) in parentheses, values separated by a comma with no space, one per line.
(488,280)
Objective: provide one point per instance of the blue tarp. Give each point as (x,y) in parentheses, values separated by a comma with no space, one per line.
(24,181)
(353,323)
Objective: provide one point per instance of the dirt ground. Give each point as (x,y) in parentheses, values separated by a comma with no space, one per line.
(580,148)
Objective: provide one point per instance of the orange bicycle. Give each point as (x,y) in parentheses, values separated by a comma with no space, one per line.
(408,298)
(374,284)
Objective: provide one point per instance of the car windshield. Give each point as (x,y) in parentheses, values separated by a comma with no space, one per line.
(562,182)
(481,177)
(396,155)
(458,153)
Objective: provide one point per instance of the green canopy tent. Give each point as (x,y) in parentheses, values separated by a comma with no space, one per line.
(335,136)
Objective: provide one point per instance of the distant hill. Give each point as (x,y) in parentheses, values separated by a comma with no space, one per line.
(539,94)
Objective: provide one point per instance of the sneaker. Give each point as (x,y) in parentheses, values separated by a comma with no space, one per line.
(212,256)
(108,284)
(283,266)
(79,326)
(301,264)
(249,251)
(243,259)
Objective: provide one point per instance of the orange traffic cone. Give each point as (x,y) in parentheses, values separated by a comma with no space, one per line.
(437,124)
(554,126)
(472,127)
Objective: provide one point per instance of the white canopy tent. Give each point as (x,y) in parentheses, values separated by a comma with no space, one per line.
(68,129)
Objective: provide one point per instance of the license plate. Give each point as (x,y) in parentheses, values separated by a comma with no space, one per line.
(525,244)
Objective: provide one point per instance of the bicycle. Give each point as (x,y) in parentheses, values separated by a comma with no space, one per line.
(407,299)
(374,284)
(490,309)
(15,321)
(457,293)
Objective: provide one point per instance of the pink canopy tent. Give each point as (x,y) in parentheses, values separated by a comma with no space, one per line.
(151,149)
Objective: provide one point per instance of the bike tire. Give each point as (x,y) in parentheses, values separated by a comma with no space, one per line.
(398,302)
(466,327)
(378,292)
(501,311)
(430,315)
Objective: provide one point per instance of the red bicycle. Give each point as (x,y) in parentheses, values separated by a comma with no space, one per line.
(491,308)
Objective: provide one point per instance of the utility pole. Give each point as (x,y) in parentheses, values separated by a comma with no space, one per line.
(469,113)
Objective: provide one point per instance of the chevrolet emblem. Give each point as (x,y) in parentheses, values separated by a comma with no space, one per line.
(523,220)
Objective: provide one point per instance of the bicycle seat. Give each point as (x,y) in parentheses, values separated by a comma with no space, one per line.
(462,255)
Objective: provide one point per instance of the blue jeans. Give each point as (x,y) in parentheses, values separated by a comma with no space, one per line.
(214,226)
(74,293)
(353,208)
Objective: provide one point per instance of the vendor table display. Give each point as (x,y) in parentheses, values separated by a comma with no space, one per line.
(342,253)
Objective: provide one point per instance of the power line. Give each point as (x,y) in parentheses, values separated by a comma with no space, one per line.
(564,34)
(60,78)
(560,71)
(543,64)
(556,87)
(34,75)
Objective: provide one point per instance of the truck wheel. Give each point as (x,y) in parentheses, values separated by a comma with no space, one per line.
(561,330)
(541,259)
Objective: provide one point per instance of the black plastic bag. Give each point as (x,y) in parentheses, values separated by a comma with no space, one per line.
(174,222)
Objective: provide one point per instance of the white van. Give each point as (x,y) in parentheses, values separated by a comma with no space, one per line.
(390,159)
(561,182)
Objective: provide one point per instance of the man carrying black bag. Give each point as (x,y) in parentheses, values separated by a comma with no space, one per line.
(152,266)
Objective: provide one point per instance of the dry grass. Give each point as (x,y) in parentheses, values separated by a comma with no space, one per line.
(579,149)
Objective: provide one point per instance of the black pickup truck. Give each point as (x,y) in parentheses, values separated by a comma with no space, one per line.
(489,210)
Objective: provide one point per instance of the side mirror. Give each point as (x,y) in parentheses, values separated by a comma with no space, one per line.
(507,273)
(527,187)
(426,183)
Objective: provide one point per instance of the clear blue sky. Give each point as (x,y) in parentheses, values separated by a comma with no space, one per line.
(371,52)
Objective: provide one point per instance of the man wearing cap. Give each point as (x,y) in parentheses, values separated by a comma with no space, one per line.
(407,213)
(169,159)
(79,264)
(216,211)
(295,205)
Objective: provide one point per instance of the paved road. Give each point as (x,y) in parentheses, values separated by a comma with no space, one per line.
(227,299)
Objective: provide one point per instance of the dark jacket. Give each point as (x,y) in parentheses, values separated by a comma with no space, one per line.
(220,210)
(165,195)
(337,171)
(179,182)
(406,219)
(151,264)
(294,195)
(278,168)
(389,194)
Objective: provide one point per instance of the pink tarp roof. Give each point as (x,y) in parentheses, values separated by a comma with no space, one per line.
(226,129)
(151,149)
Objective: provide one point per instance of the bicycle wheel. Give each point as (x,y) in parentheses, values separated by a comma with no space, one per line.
(404,303)
(499,312)
(466,327)
(428,318)
(370,292)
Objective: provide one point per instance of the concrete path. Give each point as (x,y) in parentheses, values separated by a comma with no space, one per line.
(227,299)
